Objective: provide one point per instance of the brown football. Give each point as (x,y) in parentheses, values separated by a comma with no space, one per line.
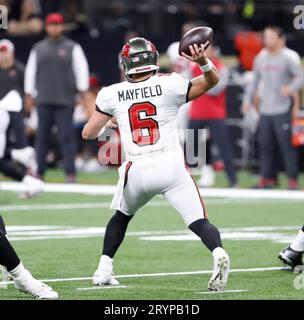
(199,35)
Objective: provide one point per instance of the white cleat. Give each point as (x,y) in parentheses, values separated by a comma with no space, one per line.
(33,187)
(27,284)
(104,274)
(102,278)
(219,277)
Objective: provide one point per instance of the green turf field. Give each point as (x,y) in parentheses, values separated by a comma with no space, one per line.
(59,238)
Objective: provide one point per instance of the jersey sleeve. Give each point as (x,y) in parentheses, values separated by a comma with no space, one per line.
(179,88)
(104,102)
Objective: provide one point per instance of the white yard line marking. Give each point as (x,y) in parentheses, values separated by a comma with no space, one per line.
(29,233)
(226,291)
(101,288)
(207,192)
(102,205)
(70,206)
(163,274)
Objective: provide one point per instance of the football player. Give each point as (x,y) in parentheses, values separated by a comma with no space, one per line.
(14,162)
(145,108)
(24,281)
(292,255)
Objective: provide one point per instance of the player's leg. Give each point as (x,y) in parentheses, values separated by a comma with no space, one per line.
(266,139)
(114,236)
(45,123)
(24,281)
(64,121)
(220,136)
(18,130)
(292,255)
(185,198)
(129,197)
(282,127)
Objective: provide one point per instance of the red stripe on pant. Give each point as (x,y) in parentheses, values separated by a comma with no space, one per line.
(128,166)
(200,197)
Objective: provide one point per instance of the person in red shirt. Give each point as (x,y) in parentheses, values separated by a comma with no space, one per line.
(209,112)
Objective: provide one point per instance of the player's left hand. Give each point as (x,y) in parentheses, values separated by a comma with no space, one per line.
(111,125)
(198,54)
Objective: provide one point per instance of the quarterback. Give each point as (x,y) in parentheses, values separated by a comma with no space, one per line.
(145,109)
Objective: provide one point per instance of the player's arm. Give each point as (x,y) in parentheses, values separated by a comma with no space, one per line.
(96,125)
(209,79)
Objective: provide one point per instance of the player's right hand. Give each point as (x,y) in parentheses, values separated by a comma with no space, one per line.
(198,54)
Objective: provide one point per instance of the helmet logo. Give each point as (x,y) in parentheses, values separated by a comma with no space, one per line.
(125,50)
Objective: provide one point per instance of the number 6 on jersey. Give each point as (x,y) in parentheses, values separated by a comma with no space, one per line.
(138,125)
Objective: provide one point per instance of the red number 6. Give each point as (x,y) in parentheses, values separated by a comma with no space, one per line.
(137,124)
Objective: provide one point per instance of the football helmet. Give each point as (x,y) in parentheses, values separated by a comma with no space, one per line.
(138,55)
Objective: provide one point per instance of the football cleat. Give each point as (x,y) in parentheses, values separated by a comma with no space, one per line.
(28,284)
(104,274)
(219,277)
(291,257)
(33,187)
(102,278)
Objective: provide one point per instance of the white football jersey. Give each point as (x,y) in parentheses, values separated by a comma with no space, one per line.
(146,113)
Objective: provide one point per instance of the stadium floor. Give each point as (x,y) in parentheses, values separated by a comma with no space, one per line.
(59,238)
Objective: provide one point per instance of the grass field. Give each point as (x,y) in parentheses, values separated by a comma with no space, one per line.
(59,238)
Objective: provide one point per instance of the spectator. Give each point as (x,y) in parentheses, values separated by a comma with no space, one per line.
(296,101)
(56,70)
(29,20)
(277,78)
(87,150)
(209,111)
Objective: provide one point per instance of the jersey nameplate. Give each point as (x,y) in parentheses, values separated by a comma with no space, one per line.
(140,93)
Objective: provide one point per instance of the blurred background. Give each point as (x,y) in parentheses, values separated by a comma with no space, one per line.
(101,28)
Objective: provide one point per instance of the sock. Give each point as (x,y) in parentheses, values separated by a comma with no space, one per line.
(298,243)
(115,233)
(105,261)
(2,225)
(219,251)
(19,270)
(208,233)
(8,256)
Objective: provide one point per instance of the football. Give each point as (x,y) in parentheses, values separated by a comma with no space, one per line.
(197,36)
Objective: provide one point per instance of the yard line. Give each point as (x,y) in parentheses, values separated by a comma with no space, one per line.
(101,288)
(162,274)
(226,291)
(155,203)
(69,206)
(29,233)
(207,192)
